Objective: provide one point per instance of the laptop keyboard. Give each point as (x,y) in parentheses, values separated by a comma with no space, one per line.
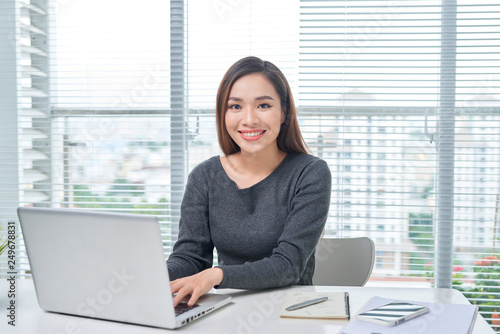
(183,307)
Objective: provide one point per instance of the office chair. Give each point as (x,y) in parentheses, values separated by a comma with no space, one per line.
(344,261)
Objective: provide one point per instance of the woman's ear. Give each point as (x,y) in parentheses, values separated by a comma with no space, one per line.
(283,117)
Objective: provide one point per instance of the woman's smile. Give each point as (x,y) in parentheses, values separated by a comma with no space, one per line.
(252,135)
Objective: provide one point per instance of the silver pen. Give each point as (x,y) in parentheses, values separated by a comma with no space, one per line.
(306,303)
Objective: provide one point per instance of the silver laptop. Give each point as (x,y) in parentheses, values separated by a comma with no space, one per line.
(104,265)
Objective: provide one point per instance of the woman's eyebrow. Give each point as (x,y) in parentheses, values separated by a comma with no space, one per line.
(264,97)
(259,98)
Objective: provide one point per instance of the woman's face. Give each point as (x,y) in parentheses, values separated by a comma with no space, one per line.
(253,115)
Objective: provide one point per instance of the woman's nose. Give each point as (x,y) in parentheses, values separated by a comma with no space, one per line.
(250,116)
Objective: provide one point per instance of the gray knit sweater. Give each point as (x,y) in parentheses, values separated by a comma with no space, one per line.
(265,235)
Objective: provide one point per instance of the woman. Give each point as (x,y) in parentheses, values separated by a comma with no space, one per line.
(263,205)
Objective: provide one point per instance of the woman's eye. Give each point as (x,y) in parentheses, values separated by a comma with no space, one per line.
(264,105)
(234,107)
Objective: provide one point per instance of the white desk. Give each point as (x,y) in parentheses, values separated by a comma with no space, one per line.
(248,313)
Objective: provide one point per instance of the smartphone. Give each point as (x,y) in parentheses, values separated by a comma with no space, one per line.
(393,313)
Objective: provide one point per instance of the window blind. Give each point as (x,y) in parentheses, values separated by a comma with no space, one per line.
(373,69)
(477,182)
(118,89)
(410,109)
(109,105)
(25,118)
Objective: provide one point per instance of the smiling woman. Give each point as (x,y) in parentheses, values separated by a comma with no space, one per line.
(247,75)
(253,121)
(263,205)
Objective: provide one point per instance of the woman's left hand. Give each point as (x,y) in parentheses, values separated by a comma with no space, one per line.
(196,285)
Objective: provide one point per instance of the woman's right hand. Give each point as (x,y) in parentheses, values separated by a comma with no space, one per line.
(196,285)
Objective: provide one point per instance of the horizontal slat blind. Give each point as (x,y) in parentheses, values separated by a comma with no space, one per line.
(477,156)
(372,68)
(382,74)
(111,108)
(9,87)
(25,153)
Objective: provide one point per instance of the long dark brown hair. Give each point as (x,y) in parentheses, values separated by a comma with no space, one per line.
(289,139)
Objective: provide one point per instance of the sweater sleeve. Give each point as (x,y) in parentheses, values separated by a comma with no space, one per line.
(193,251)
(304,225)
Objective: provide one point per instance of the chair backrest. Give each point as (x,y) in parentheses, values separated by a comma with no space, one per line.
(344,261)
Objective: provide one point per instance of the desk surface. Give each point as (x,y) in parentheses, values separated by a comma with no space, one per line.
(249,312)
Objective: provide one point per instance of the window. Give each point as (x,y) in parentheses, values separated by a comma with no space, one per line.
(398,97)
